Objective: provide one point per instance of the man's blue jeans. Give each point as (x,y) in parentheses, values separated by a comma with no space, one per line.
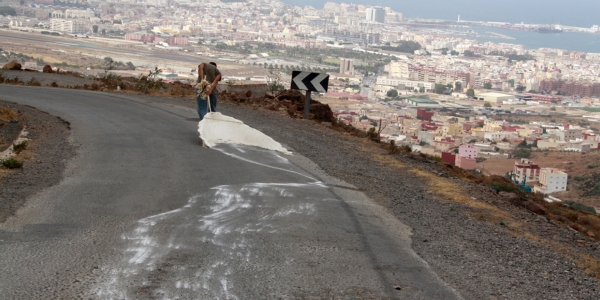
(202,104)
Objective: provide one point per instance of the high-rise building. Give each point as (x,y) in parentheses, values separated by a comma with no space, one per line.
(346,66)
(375,14)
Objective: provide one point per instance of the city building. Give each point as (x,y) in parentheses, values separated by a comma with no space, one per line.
(493,97)
(526,169)
(79,13)
(375,14)
(468,150)
(346,66)
(416,102)
(449,158)
(465,162)
(571,88)
(415,72)
(70,26)
(424,115)
(569,134)
(551,180)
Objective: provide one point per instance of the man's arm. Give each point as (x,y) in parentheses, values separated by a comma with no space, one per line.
(200,72)
(213,86)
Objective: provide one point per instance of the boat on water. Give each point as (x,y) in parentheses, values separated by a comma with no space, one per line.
(550,29)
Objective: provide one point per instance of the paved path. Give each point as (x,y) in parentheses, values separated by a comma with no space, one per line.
(145,212)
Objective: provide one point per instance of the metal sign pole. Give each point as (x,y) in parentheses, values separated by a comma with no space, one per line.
(307,105)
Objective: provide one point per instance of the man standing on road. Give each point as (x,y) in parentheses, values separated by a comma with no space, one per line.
(212,75)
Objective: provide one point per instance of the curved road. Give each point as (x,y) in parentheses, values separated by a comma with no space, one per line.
(144,212)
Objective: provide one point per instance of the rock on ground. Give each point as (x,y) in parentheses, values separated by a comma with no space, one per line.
(12,65)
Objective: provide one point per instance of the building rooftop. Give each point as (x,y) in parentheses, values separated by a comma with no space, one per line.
(422,100)
(493,94)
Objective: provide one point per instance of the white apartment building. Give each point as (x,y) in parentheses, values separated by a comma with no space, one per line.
(551,180)
(375,14)
(499,135)
(405,70)
(79,14)
(57,14)
(74,26)
(397,69)
(383,84)
(569,134)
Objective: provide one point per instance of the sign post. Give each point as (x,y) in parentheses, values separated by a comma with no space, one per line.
(309,82)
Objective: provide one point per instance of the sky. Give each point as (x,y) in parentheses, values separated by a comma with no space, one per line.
(581,13)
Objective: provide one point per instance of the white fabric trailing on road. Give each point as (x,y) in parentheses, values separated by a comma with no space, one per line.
(217,128)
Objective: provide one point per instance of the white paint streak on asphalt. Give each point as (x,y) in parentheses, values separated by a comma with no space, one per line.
(221,222)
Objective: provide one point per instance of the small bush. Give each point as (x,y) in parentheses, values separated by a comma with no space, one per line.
(20,147)
(12,163)
(580,206)
(33,82)
(591,166)
(17,80)
(522,153)
(393,149)
(54,84)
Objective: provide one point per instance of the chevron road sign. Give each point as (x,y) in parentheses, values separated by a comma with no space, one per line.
(308,81)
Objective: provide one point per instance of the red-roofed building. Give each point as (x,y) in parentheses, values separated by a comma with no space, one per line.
(449,158)
(425,115)
(467,126)
(429,126)
(526,169)
(512,128)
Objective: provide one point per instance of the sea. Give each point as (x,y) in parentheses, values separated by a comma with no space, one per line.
(571,41)
(579,13)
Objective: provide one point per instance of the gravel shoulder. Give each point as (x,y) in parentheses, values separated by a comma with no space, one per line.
(484,247)
(45,158)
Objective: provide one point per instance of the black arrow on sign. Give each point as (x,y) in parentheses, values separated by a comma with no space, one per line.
(308,81)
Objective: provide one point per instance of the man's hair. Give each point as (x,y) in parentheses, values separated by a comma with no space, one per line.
(212,63)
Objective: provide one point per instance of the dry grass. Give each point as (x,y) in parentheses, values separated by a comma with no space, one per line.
(586,262)
(6,114)
(446,190)
(589,264)
(388,161)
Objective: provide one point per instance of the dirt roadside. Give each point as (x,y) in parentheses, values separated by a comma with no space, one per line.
(45,158)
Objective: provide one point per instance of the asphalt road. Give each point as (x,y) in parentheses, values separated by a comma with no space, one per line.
(145,212)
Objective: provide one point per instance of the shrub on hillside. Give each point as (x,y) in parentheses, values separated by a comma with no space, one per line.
(20,147)
(12,163)
(579,206)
